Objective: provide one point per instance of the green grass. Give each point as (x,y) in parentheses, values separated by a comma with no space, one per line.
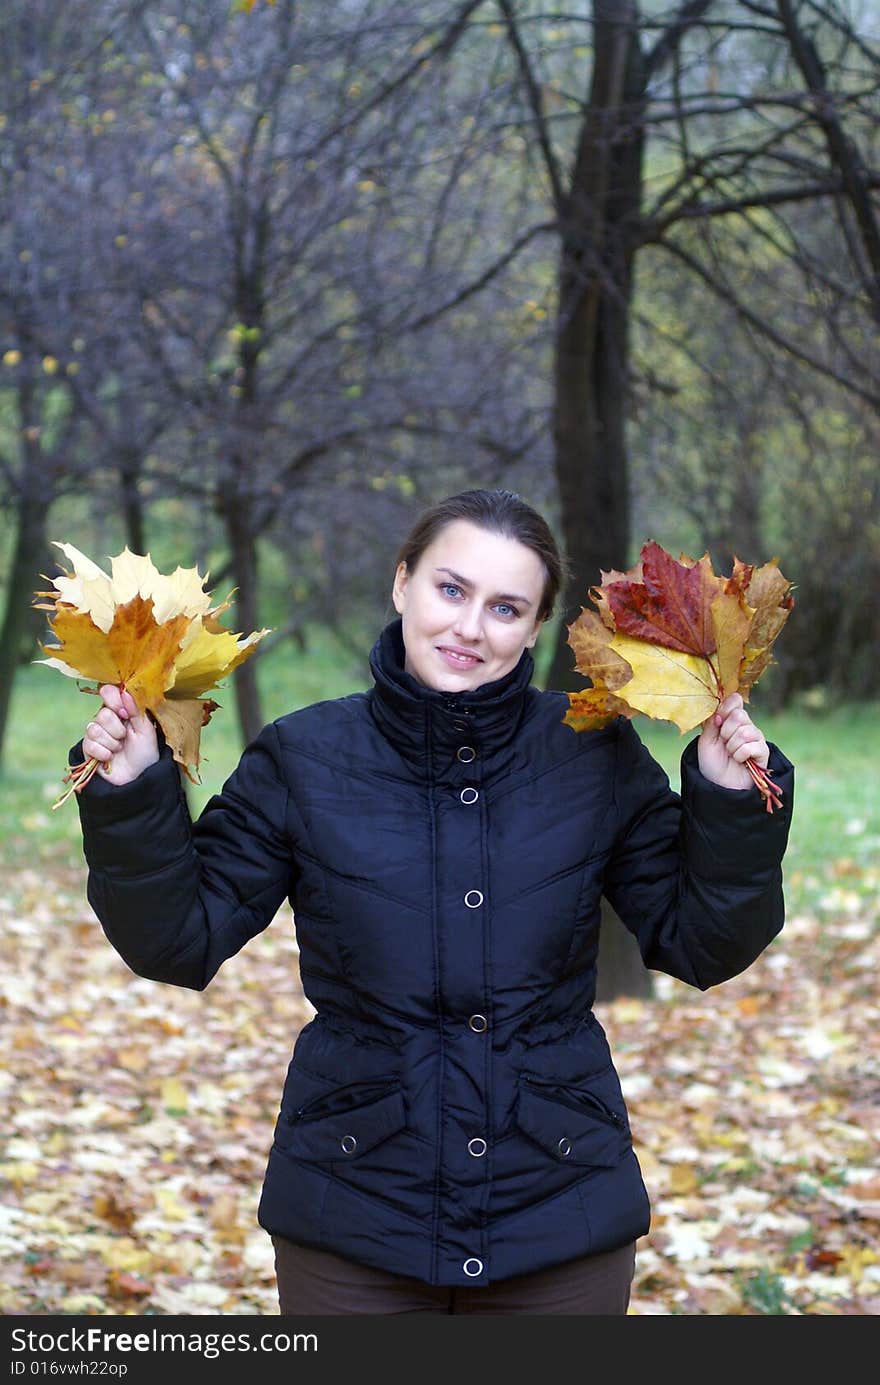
(836,822)
(49,715)
(835,753)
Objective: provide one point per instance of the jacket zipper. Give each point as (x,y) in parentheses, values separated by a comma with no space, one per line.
(586,1102)
(312,1109)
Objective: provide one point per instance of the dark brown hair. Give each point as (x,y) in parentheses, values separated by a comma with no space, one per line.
(501,512)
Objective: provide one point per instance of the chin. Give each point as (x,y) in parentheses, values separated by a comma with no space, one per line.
(444,680)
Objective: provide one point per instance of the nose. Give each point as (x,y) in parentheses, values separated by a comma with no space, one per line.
(468,624)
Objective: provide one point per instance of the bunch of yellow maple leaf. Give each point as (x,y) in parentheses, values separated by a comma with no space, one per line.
(157,636)
(673,639)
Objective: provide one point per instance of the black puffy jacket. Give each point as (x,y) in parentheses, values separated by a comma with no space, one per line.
(452,1111)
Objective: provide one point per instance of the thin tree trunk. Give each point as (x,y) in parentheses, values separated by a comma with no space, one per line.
(592,358)
(243,550)
(24,580)
(132,505)
(251,242)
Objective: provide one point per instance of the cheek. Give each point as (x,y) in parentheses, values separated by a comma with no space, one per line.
(510,643)
(427,613)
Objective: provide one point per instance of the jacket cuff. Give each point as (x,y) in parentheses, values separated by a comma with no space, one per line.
(132,829)
(729,830)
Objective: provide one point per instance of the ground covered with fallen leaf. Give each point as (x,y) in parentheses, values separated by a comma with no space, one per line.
(137,1118)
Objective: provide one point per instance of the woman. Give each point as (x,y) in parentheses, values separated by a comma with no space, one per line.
(452,1135)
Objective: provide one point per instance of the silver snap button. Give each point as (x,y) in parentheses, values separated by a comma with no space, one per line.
(348,1144)
(477,1146)
(478,1023)
(469,795)
(473,899)
(564,1147)
(473,1266)
(465,753)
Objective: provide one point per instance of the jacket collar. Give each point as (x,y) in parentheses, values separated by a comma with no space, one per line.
(418,719)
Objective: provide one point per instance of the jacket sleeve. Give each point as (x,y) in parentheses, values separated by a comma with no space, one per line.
(696,877)
(177,898)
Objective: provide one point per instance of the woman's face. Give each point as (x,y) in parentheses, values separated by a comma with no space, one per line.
(470,607)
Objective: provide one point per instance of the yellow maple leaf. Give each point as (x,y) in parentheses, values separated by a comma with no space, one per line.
(206,656)
(156,635)
(666,683)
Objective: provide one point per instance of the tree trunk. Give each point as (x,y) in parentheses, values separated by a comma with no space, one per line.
(243,551)
(24,580)
(591,367)
(132,505)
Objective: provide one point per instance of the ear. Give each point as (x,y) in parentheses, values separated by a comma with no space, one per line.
(530,642)
(398,591)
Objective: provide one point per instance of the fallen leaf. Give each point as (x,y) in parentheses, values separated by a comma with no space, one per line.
(683,1178)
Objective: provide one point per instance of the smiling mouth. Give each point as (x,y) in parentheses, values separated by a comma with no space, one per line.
(460,658)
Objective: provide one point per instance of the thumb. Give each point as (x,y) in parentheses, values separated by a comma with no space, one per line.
(710,731)
(129,706)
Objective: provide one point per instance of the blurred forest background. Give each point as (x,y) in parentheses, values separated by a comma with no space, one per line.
(275,276)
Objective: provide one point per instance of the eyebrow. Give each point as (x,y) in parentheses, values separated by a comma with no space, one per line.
(499,596)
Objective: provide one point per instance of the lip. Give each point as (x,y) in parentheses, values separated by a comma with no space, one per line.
(452,649)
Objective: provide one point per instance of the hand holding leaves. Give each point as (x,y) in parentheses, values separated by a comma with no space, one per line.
(728,742)
(120,737)
(674,640)
(157,637)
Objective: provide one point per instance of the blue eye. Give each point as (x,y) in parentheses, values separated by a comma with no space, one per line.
(503,607)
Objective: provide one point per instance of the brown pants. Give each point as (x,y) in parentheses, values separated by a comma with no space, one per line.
(317,1282)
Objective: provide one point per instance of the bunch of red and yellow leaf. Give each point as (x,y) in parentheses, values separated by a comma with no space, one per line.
(157,636)
(673,639)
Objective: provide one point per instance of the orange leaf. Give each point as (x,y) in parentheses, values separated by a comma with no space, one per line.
(590,639)
(593,708)
(181,720)
(731,623)
(123,1285)
(769,593)
(134,651)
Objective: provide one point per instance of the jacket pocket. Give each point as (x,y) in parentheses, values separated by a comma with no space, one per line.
(347,1122)
(571,1122)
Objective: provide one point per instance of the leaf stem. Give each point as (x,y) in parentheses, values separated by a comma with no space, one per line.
(78,776)
(771,793)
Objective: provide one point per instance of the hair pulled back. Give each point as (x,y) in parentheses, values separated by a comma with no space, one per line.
(500,512)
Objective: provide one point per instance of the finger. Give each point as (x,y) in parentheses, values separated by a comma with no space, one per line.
(96,735)
(110,722)
(731,703)
(736,721)
(757,750)
(95,750)
(111,696)
(746,738)
(129,706)
(710,726)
